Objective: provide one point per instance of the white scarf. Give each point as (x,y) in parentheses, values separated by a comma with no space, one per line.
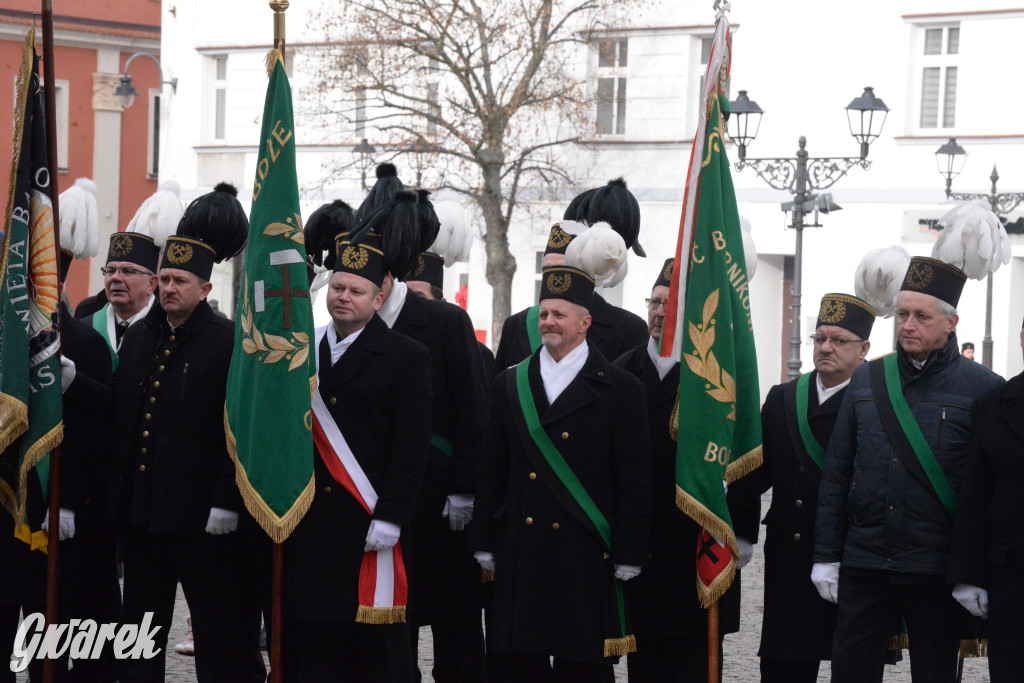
(557,375)
(662,365)
(825,393)
(113,319)
(338,348)
(393,304)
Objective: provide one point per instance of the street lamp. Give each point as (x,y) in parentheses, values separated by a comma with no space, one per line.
(950,159)
(365,151)
(127,92)
(803,177)
(420,148)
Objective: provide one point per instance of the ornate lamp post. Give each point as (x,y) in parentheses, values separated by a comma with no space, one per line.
(950,159)
(127,92)
(803,176)
(365,151)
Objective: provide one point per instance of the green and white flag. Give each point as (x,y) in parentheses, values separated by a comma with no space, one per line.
(268,416)
(708,327)
(30,390)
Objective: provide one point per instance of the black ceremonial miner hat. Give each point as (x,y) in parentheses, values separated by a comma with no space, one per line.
(131,247)
(847,312)
(213,228)
(365,259)
(934,277)
(430,269)
(665,276)
(570,284)
(558,240)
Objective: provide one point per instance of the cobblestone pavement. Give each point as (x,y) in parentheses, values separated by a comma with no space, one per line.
(741,662)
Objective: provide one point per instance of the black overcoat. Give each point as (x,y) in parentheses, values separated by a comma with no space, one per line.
(379,395)
(663,599)
(443,577)
(797,623)
(553,578)
(613,330)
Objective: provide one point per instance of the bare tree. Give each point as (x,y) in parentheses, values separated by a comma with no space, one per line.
(482,96)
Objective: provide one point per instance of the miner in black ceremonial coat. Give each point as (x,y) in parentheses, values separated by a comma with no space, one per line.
(797,627)
(374,387)
(671,626)
(987,560)
(613,330)
(564,509)
(172,486)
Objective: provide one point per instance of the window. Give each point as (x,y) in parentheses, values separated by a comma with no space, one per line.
(153,147)
(360,128)
(706,43)
(60,94)
(220,97)
(939,77)
(612,60)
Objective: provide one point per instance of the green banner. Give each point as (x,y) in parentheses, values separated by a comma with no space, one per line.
(30,388)
(273,369)
(719,427)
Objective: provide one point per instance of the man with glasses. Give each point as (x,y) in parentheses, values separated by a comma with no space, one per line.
(129,283)
(671,626)
(796,423)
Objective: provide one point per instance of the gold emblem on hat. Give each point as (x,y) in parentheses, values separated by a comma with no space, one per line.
(354,257)
(121,246)
(832,311)
(420,266)
(559,284)
(179,253)
(667,273)
(919,276)
(559,239)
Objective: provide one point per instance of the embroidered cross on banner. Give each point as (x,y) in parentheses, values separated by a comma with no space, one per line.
(281,258)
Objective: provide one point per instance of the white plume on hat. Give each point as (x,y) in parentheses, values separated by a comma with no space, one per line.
(600,252)
(973,239)
(159,215)
(879,276)
(455,238)
(80,219)
(749,250)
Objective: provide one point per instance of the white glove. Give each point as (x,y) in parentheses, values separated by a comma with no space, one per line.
(825,577)
(974,599)
(221,521)
(66,525)
(725,485)
(625,572)
(381,535)
(484,559)
(67,373)
(459,511)
(746,552)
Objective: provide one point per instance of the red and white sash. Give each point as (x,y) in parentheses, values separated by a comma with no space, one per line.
(383,585)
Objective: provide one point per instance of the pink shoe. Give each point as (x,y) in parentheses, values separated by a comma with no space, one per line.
(188,646)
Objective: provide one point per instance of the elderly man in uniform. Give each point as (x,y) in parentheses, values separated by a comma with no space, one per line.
(564,508)
(987,564)
(887,498)
(797,421)
(373,409)
(671,626)
(172,483)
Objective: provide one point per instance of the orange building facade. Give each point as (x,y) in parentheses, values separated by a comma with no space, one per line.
(96,136)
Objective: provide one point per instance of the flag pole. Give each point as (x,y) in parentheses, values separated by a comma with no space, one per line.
(713,643)
(277,601)
(52,548)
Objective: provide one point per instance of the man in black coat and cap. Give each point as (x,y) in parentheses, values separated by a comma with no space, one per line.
(797,419)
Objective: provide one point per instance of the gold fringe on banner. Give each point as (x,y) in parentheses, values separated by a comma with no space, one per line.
(277,527)
(617,647)
(380,615)
(898,642)
(270,61)
(36,540)
(744,465)
(486,575)
(36,452)
(699,513)
(973,648)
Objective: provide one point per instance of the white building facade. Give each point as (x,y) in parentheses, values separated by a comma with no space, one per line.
(938,64)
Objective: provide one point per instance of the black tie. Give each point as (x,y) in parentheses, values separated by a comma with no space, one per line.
(119,330)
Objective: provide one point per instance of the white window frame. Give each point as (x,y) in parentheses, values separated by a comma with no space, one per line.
(944,61)
(62,95)
(218,89)
(619,75)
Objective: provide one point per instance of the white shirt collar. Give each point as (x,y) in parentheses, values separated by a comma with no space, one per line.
(393,304)
(338,348)
(825,393)
(557,375)
(113,319)
(662,365)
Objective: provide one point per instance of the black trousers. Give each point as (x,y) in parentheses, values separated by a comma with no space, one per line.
(206,567)
(90,560)
(789,670)
(870,605)
(458,649)
(531,667)
(1005,626)
(671,659)
(316,652)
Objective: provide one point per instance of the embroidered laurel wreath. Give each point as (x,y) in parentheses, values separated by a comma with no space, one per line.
(720,384)
(291,230)
(271,348)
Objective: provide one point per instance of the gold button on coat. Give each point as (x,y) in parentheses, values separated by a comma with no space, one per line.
(529,521)
(148,416)
(145,435)
(152,399)
(334,400)
(796,537)
(327,489)
(799,503)
(142,468)
(555,526)
(533,475)
(166,352)
(144,451)
(565,435)
(156,384)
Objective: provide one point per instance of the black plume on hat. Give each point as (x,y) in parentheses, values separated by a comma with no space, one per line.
(382,191)
(218,220)
(614,204)
(430,226)
(397,223)
(321,229)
